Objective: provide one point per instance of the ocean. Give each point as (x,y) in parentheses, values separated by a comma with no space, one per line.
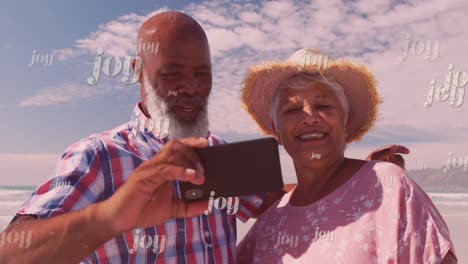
(453,207)
(11,199)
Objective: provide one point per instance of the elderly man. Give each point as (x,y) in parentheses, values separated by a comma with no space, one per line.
(123,205)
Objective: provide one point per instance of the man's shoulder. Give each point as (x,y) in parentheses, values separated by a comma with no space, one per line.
(99,141)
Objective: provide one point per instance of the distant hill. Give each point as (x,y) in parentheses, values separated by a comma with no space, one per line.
(436,180)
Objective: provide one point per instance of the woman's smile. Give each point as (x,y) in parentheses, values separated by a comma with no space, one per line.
(312,136)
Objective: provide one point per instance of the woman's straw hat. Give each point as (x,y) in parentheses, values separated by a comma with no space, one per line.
(359,85)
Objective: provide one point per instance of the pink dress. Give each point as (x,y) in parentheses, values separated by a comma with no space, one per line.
(378,216)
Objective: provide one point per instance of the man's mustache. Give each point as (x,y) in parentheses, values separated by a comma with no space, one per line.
(195,100)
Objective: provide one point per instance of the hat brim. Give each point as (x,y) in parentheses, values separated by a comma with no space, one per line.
(359,85)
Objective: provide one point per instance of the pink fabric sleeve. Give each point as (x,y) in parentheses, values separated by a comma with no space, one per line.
(423,234)
(246,249)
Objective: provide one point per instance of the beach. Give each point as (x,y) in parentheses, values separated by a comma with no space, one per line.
(11,199)
(452,206)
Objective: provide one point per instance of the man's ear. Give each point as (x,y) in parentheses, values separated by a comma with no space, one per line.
(140,71)
(142,92)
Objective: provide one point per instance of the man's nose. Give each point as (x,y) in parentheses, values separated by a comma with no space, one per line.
(190,86)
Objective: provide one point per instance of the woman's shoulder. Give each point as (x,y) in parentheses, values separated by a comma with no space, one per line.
(380,167)
(385,166)
(394,181)
(386,174)
(279,207)
(376,167)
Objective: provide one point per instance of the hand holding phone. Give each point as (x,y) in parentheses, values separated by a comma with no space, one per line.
(237,169)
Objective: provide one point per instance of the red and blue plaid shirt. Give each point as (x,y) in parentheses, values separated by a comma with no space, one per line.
(96,166)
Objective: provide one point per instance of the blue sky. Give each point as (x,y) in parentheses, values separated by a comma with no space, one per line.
(46,26)
(48,108)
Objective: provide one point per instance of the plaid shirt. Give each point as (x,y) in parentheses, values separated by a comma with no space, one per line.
(95,167)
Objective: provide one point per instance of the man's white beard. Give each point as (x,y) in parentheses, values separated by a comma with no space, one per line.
(176,128)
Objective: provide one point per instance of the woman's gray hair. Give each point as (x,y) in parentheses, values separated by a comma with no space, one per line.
(304,80)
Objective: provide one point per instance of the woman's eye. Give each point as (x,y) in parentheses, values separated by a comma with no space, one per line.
(323,107)
(292,110)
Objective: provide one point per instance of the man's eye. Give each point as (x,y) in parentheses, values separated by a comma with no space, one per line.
(203,74)
(171,74)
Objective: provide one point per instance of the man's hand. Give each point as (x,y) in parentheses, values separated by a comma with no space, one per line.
(389,153)
(147,199)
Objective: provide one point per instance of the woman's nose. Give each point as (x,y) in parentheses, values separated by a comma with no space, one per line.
(311,115)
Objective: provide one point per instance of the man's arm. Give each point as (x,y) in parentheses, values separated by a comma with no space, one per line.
(66,238)
(145,199)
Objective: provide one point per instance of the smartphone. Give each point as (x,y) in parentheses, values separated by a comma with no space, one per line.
(237,169)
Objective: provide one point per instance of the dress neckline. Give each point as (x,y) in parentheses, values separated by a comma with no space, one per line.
(286,198)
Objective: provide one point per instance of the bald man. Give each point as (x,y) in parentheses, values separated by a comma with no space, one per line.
(122,205)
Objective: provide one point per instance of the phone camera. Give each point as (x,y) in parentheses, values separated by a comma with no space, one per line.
(194,194)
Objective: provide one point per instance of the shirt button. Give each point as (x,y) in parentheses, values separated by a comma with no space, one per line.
(207,234)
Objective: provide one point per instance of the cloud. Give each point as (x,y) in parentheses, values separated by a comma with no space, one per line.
(62,94)
(369,34)
(117,37)
(63,54)
(373,34)
(243,33)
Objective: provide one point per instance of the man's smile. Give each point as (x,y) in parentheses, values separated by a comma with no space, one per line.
(186,111)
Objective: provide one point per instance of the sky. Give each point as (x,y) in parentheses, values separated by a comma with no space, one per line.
(48,107)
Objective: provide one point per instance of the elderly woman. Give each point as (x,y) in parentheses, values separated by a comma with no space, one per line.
(343,210)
